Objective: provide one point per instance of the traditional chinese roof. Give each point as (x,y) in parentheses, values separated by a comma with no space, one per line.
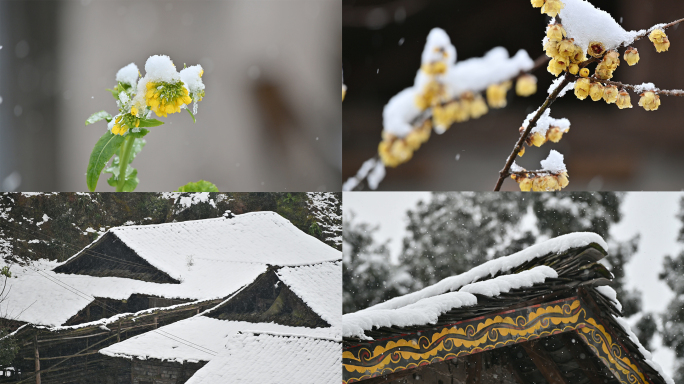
(545,313)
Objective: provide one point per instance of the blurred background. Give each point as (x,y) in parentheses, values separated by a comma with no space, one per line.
(606,149)
(270,120)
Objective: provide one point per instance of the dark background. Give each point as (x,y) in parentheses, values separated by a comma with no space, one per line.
(606,148)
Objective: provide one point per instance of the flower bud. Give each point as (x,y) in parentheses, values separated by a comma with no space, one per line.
(526,85)
(660,40)
(478,107)
(496,94)
(555,32)
(611,60)
(537,3)
(631,56)
(584,72)
(551,48)
(596,49)
(650,101)
(557,66)
(554,134)
(623,100)
(573,69)
(610,94)
(522,151)
(552,7)
(525,184)
(582,87)
(537,139)
(596,91)
(435,68)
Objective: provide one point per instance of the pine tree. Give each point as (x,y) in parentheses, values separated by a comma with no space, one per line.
(673,318)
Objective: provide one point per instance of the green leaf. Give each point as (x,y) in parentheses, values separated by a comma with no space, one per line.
(140,134)
(131,180)
(97,116)
(200,186)
(191,115)
(104,149)
(150,123)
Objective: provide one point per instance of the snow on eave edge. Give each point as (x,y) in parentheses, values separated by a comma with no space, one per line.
(556,245)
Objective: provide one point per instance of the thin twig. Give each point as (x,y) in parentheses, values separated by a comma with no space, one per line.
(635,88)
(518,146)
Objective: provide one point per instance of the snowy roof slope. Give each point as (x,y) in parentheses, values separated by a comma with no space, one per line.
(274,359)
(261,237)
(40,296)
(319,286)
(209,333)
(556,245)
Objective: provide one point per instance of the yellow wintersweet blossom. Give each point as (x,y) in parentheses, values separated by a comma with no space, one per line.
(478,107)
(573,68)
(557,66)
(584,72)
(552,7)
(623,100)
(631,56)
(650,101)
(611,60)
(537,139)
(582,87)
(563,180)
(551,48)
(556,32)
(566,48)
(525,184)
(596,49)
(435,68)
(610,94)
(596,91)
(537,3)
(660,40)
(555,134)
(429,96)
(526,85)
(496,94)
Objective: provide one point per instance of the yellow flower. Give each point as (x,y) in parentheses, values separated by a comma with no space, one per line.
(429,96)
(584,72)
(537,3)
(537,139)
(566,48)
(573,68)
(623,100)
(538,184)
(461,110)
(134,111)
(385,155)
(478,107)
(496,94)
(611,60)
(596,91)
(563,179)
(556,32)
(164,98)
(526,85)
(525,184)
(660,40)
(557,66)
(123,123)
(436,68)
(610,94)
(418,136)
(578,55)
(522,152)
(582,87)
(552,7)
(443,116)
(596,49)
(551,48)
(650,101)
(555,134)
(631,56)
(603,72)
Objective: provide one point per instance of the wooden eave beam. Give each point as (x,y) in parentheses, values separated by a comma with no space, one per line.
(544,363)
(474,369)
(588,366)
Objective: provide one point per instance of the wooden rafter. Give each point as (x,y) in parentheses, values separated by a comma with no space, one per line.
(544,363)
(587,365)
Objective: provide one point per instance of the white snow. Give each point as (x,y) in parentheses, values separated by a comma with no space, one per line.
(476,74)
(209,333)
(367,167)
(516,168)
(586,23)
(545,122)
(128,75)
(160,68)
(303,360)
(496,286)
(609,293)
(438,42)
(556,245)
(192,79)
(319,286)
(556,82)
(400,111)
(45,220)
(645,87)
(376,175)
(227,254)
(554,163)
(644,352)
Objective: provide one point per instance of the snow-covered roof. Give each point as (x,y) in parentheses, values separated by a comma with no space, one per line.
(426,305)
(211,259)
(208,337)
(269,359)
(319,286)
(257,237)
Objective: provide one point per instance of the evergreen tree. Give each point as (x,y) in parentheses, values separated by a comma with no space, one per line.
(673,318)
(366,267)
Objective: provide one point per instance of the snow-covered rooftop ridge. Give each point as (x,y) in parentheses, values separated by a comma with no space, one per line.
(502,264)
(644,352)
(303,360)
(256,237)
(208,333)
(427,310)
(586,23)
(319,286)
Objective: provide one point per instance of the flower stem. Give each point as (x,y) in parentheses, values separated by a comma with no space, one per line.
(123,164)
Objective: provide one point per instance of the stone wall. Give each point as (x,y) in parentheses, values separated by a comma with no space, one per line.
(159,372)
